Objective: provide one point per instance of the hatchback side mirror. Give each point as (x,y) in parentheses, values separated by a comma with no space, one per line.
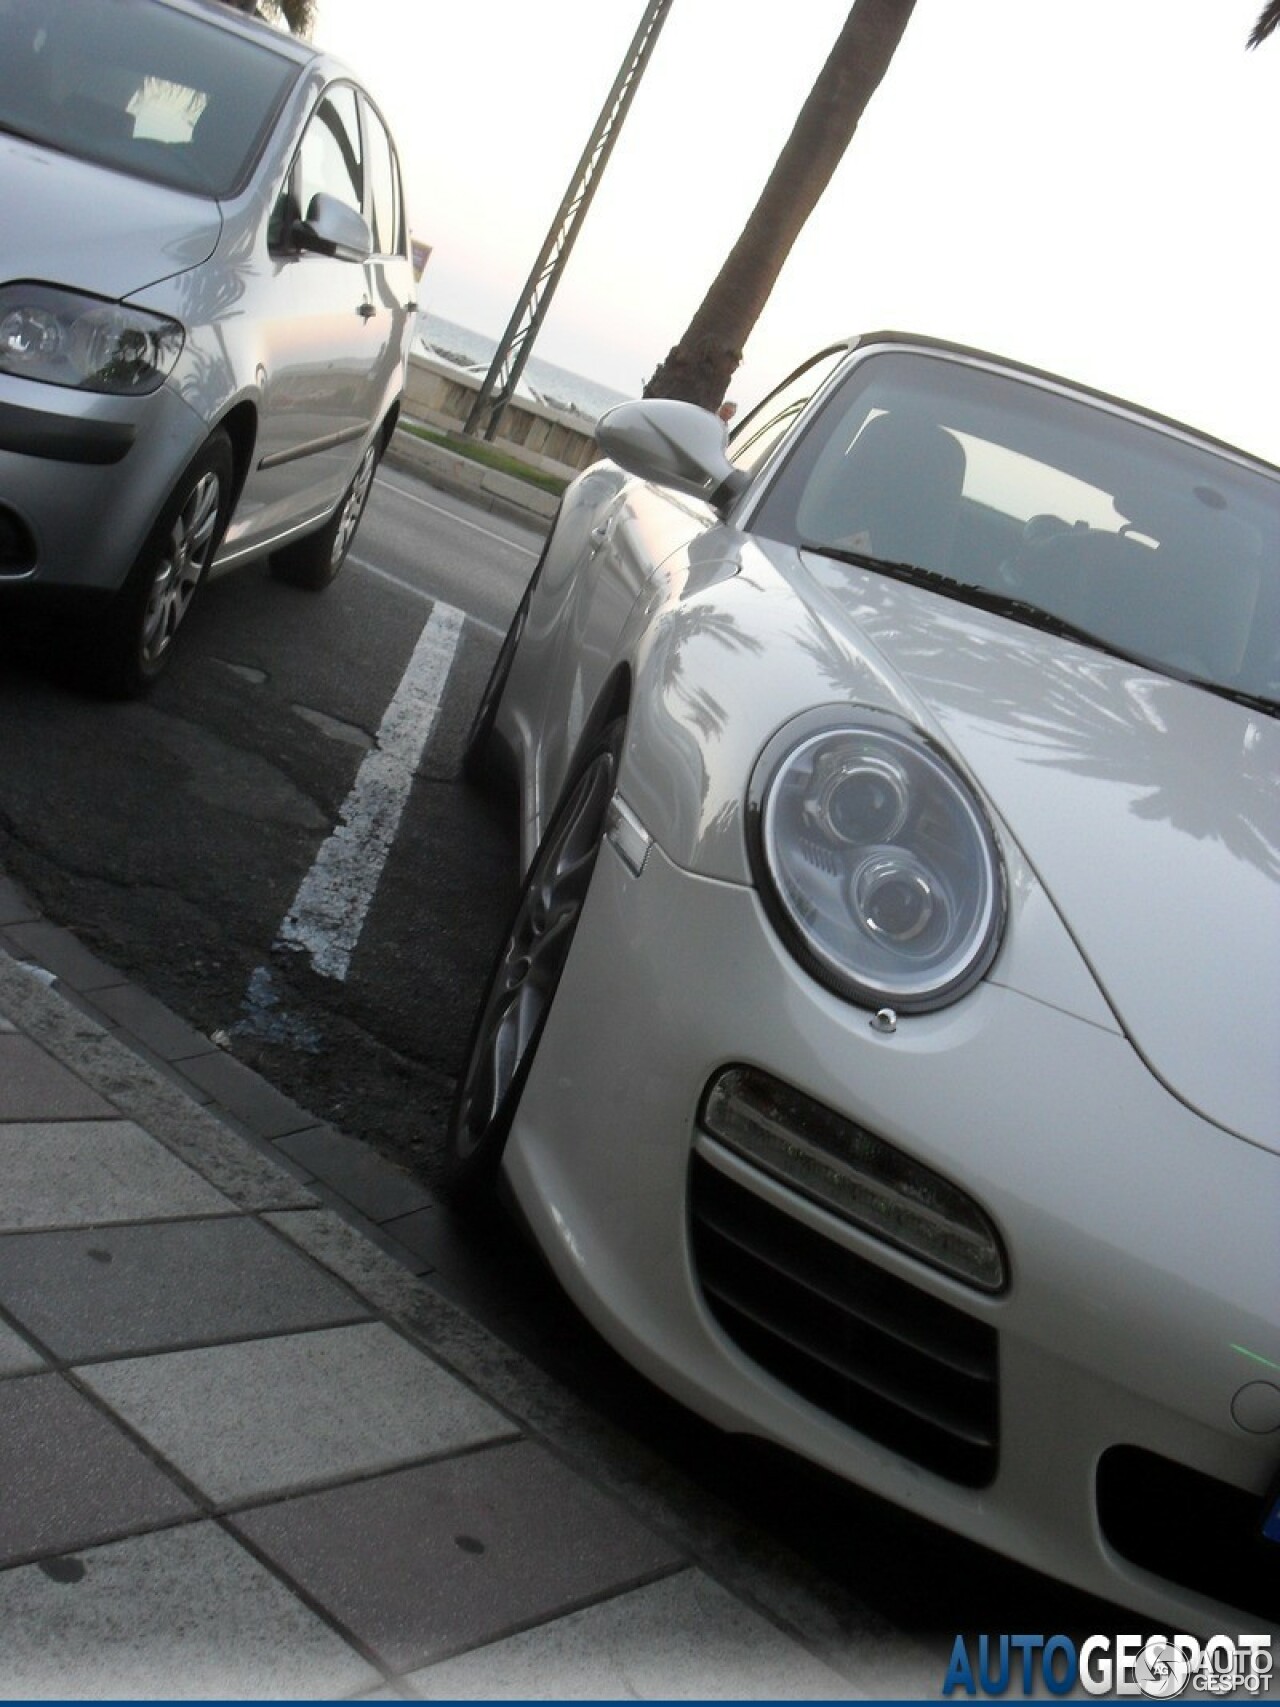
(674,444)
(333,228)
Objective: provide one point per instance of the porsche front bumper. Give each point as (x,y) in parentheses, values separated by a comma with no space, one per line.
(1142,1296)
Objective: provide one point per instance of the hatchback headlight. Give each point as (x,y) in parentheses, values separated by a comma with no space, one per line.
(876,860)
(63,338)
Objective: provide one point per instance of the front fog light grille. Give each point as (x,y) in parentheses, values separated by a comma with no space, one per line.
(1189,1528)
(873,1351)
(855,1174)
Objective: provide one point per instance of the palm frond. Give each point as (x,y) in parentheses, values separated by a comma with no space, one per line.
(298,16)
(1268,19)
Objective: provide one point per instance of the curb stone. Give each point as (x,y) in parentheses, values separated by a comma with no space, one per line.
(237,1132)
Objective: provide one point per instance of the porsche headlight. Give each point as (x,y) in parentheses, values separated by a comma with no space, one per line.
(878,864)
(62,338)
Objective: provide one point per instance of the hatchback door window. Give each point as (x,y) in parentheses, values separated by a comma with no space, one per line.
(331,159)
(384,187)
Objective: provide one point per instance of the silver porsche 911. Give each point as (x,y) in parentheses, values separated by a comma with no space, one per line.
(885,1051)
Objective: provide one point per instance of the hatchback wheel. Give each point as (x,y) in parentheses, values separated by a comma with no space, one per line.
(127,652)
(314,562)
(526,975)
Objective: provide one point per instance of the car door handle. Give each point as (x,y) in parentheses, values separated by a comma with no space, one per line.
(366,311)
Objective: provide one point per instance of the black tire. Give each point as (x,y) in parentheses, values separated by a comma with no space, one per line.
(478,753)
(126,652)
(526,975)
(314,562)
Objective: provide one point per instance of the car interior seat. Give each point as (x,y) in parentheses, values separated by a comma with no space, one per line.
(894,494)
(1183,593)
(1211,565)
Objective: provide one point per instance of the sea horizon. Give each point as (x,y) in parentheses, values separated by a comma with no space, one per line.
(561,388)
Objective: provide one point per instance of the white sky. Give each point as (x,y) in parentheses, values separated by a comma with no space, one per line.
(1090,186)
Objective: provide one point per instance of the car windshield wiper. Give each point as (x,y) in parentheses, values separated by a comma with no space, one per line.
(1238,696)
(985,598)
(1022,610)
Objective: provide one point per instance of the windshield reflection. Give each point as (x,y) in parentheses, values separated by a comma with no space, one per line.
(1048,507)
(157,94)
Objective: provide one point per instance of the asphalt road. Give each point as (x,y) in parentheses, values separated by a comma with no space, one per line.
(181,837)
(174,835)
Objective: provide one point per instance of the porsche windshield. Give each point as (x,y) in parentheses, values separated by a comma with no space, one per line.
(140,88)
(1032,499)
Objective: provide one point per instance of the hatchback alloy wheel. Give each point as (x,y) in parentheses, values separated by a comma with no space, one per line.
(125,651)
(180,568)
(353,507)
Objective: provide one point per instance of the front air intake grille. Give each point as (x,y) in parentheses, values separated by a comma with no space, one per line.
(874,1351)
(17,548)
(1188,1528)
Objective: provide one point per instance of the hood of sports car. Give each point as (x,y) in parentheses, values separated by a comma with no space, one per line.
(1149,809)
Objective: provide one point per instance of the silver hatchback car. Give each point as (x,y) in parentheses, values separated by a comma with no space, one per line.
(206,302)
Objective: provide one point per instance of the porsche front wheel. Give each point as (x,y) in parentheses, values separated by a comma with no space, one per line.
(526,975)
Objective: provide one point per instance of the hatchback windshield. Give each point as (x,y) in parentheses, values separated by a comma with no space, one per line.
(1039,503)
(138,87)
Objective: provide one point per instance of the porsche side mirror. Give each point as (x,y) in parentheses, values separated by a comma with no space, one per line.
(673,444)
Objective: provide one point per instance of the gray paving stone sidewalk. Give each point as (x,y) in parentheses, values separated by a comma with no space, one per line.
(248,1449)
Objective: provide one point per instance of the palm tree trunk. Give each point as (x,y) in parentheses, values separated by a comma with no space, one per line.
(701,365)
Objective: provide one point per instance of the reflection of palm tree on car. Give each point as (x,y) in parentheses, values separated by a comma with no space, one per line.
(1143,738)
(691,626)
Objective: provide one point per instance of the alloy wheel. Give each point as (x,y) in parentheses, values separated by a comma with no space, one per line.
(353,507)
(182,562)
(529,967)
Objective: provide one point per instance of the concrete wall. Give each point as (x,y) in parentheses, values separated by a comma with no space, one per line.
(507,494)
(440,396)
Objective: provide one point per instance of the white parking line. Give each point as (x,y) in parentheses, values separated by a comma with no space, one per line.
(453,516)
(333,899)
(418,592)
(423,593)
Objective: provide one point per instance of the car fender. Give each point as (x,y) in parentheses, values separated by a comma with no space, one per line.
(692,749)
(610,538)
(725,657)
